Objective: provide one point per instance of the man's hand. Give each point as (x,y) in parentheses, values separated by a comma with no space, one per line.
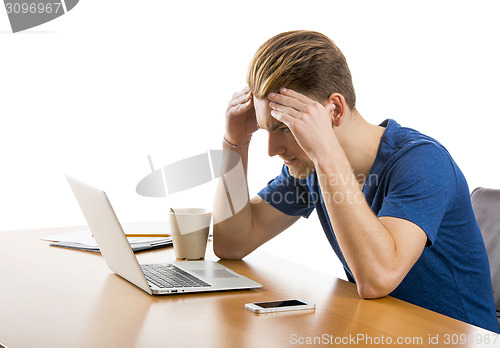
(241,121)
(309,121)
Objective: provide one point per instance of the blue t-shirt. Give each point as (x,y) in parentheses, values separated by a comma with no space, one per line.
(414,178)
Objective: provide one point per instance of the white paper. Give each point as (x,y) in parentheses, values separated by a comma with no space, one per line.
(84,236)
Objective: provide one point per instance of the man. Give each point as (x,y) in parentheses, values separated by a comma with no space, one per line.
(392,202)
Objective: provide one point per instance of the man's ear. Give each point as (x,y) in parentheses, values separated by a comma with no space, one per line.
(337,107)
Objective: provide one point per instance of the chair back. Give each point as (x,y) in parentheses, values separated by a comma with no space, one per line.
(486,205)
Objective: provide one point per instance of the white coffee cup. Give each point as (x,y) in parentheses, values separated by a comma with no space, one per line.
(189,228)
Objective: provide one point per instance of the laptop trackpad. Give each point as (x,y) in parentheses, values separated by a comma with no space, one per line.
(214,273)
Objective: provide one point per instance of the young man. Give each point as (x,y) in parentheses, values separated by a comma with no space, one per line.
(392,202)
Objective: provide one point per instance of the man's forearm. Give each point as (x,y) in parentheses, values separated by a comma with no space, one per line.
(366,244)
(232,211)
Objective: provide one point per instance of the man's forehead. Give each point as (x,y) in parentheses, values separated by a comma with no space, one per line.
(264,118)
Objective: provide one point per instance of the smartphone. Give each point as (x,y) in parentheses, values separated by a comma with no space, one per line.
(279,306)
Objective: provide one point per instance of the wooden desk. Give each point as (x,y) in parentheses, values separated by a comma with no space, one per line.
(53,297)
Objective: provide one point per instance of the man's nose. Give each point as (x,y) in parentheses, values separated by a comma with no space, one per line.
(275,145)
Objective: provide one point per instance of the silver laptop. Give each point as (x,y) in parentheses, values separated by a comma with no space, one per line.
(155,279)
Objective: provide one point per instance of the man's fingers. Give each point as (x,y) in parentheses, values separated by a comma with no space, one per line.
(285,109)
(296,95)
(288,100)
(240,99)
(242,92)
(240,107)
(246,106)
(283,117)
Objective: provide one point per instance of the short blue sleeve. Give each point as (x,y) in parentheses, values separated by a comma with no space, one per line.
(420,188)
(288,194)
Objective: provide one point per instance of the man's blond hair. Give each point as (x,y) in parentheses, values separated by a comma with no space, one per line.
(306,61)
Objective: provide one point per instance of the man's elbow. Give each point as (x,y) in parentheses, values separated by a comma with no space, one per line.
(373,289)
(367,292)
(223,255)
(226,253)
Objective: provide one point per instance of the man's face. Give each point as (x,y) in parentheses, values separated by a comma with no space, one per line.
(282,141)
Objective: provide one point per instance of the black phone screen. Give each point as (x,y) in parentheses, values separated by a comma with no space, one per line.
(286,303)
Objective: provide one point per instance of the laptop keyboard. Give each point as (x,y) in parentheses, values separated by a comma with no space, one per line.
(171,276)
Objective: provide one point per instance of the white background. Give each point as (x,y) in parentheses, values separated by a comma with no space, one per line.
(94,92)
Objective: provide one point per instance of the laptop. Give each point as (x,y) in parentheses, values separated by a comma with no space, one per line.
(155,279)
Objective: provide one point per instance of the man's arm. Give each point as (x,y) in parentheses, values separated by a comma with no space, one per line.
(257,223)
(379,251)
(238,235)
